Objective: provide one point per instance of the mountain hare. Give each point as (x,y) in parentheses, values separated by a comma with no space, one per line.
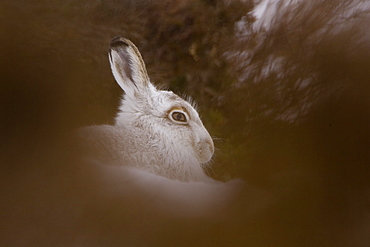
(154,130)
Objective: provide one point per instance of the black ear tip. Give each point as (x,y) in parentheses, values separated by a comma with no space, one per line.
(118,41)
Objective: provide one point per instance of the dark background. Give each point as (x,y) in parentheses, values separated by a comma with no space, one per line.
(308,146)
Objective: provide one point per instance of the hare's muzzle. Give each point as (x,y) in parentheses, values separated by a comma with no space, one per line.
(205,150)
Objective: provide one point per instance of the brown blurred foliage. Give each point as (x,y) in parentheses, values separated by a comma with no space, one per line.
(307,143)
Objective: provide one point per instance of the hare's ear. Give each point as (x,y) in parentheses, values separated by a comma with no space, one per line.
(128,67)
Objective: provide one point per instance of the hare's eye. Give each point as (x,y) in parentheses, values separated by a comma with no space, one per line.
(179,117)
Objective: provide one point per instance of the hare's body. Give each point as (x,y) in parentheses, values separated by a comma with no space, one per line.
(155,130)
(105,143)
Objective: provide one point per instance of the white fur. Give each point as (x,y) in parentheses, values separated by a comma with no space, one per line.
(144,136)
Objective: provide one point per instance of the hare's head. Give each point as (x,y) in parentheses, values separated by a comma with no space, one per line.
(159,118)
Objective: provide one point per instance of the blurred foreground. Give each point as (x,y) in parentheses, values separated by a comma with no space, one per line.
(289,101)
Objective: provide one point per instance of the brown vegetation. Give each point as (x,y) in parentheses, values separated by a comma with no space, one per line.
(306,145)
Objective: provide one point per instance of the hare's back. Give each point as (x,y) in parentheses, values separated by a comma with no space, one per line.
(105,143)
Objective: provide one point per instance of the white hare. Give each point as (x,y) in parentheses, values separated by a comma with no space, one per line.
(155,130)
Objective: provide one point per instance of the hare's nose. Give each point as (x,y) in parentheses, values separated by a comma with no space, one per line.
(205,150)
(211,146)
(118,41)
